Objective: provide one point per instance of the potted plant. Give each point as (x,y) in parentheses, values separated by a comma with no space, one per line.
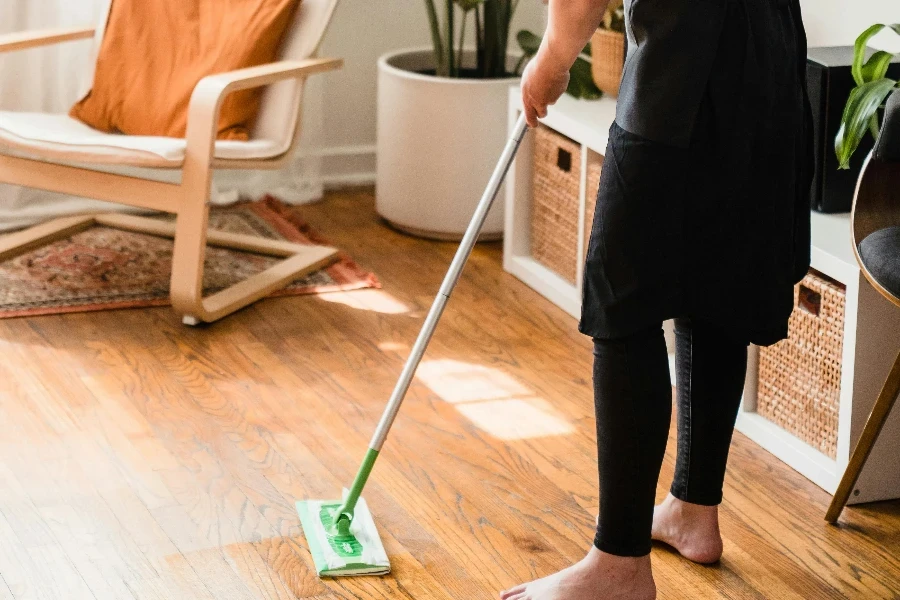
(861,114)
(442,119)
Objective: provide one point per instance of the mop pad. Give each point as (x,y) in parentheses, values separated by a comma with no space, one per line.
(360,553)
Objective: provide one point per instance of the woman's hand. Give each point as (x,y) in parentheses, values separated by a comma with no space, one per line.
(543,82)
(570,24)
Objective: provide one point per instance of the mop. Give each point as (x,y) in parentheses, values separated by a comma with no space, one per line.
(341,534)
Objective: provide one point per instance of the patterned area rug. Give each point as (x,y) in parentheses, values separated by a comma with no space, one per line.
(104,268)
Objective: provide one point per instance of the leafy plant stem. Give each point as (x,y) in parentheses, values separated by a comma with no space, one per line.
(462,40)
(519,64)
(451,70)
(436,41)
(479,38)
(491,42)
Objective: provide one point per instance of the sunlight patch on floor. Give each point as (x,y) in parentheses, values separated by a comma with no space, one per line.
(393,347)
(375,300)
(456,381)
(516,419)
(493,400)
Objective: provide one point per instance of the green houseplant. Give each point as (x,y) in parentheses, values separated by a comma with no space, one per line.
(442,115)
(492,21)
(442,119)
(872,89)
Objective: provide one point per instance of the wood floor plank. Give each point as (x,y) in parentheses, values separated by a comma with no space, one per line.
(144,459)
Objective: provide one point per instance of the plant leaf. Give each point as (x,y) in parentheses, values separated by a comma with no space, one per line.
(581,83)
(863,103)
(859,69)
(859,54)
(877,66)
(528,42)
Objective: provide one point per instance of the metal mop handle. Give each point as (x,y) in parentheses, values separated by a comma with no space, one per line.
(434,315)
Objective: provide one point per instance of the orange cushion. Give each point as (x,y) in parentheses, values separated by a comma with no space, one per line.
(155,51)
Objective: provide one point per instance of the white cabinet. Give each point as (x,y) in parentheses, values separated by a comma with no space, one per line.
(871,342)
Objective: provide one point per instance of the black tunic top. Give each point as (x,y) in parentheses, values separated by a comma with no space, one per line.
(703,208)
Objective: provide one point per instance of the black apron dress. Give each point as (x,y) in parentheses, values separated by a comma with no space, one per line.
(704,206)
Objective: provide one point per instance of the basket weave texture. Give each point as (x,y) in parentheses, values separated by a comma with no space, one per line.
(800,377)
(594,166)
(608,60)
(554,208)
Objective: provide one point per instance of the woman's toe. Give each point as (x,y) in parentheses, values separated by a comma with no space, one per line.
(512,592)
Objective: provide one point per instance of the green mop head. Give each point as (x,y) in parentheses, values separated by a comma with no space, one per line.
(336,554)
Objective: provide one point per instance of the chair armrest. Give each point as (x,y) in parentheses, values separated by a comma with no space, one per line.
(206,100)
(223,84)
(44,37)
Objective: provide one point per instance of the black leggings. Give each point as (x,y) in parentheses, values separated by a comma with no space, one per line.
(633,400)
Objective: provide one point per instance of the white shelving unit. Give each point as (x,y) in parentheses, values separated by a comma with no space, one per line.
(871,342)
(871,323)
(585,122)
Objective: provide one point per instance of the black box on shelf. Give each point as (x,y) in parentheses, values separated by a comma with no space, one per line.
(829,81)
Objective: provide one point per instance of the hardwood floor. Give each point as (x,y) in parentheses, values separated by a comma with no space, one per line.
(143,459)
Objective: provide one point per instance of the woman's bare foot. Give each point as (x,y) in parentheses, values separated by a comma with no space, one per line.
(691,529)
(598,576)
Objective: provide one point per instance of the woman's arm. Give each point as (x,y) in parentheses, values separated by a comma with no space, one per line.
(569,28)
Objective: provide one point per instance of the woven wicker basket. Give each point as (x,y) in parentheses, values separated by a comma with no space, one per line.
(607,60)
(800,377)
(554,206)
(595,166)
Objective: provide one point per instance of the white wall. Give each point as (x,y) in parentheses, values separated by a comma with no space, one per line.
(839,22)
(362,30)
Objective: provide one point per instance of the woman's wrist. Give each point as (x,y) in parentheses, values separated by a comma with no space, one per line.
(550,62)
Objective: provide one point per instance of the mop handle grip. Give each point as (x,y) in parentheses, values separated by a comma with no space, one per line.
(450,281)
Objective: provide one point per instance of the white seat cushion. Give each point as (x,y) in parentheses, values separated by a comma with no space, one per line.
(60,137)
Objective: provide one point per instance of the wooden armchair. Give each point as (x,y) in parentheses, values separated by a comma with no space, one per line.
(55,152)
(876,241)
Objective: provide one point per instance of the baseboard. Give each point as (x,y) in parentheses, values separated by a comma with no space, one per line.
(347,150)
(349,165)
(348,180)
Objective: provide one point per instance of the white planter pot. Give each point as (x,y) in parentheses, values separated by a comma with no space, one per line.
(438,142)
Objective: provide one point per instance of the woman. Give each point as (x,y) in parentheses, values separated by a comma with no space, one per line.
(702,217)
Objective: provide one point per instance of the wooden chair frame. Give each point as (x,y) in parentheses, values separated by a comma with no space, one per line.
(875,206)
(188,200)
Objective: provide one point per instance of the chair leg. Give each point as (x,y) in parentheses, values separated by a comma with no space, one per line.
(874,424)
(188,256)
(191,238)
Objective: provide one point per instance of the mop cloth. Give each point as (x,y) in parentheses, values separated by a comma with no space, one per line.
(364,555)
